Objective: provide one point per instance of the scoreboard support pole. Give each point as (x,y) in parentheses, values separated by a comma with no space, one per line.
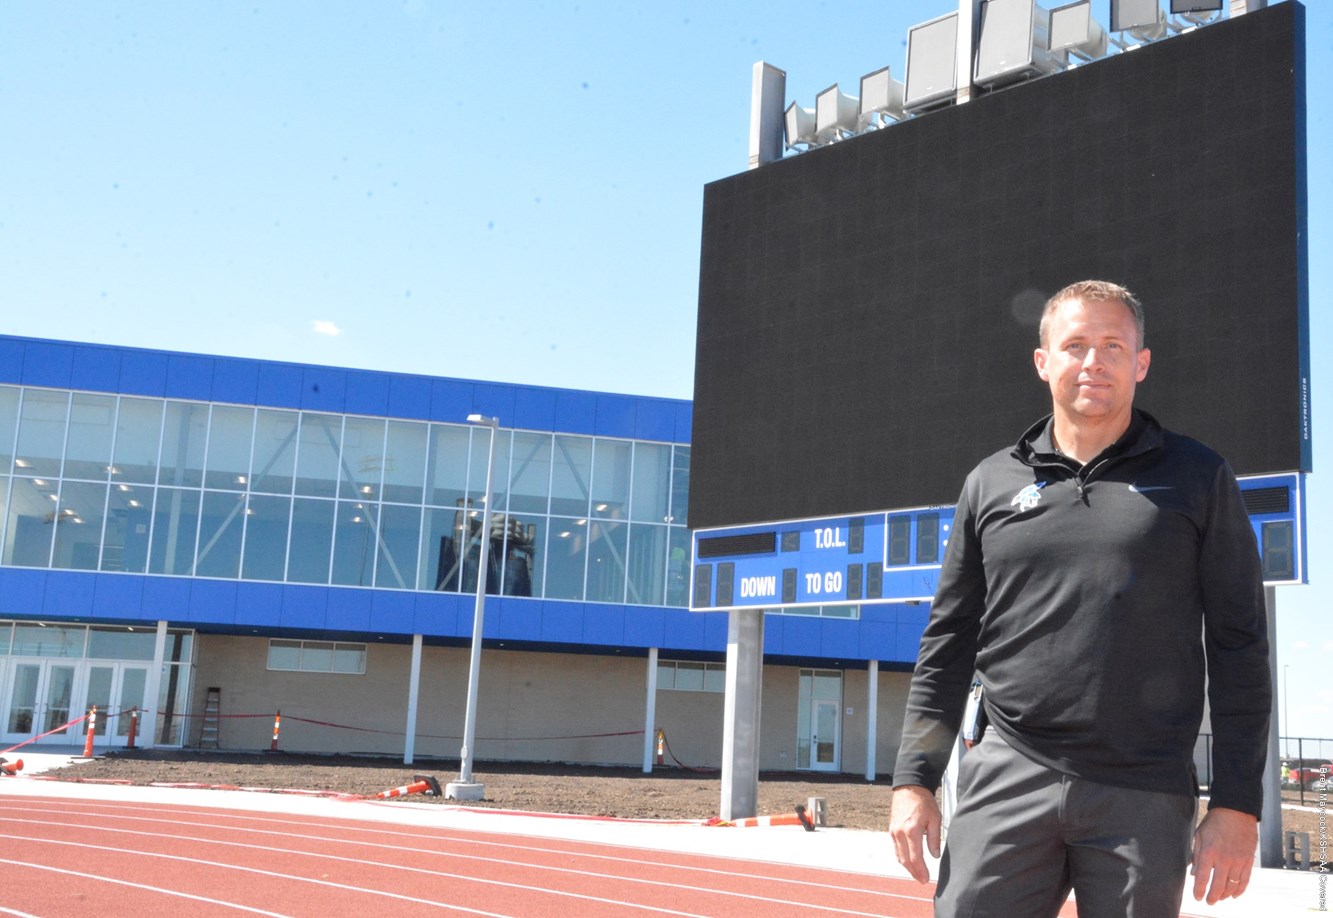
(740,728)
(1270,827)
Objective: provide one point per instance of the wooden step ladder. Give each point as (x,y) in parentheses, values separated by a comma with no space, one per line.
(208,734)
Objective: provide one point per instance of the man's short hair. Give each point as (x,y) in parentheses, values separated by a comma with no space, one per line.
(1092,291)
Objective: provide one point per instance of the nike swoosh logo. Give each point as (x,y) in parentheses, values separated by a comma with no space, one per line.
(1143,489)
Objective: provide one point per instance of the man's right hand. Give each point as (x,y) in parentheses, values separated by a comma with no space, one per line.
(914,815)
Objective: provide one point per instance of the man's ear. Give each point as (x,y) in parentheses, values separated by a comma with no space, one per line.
(1039,357)
(1143,358)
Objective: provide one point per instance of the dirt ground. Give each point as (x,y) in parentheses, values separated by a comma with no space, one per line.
(667,793)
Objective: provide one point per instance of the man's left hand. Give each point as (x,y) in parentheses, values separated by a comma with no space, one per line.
(1224,846)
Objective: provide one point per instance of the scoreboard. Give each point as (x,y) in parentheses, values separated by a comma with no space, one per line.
(895,556)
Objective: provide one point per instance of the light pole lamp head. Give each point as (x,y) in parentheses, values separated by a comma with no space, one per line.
(482,419)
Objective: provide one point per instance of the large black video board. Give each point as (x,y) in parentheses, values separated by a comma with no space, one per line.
(868,310)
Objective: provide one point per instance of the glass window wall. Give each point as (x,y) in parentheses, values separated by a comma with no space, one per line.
(9,419)
(138,438)
(41,433)
(308,497)
(230,434)
(91,429)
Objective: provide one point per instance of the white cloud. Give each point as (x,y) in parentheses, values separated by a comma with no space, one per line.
(325,327)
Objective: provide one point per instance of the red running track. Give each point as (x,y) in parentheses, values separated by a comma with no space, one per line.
(73,857)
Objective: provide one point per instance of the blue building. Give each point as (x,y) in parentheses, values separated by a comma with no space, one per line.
(211,540)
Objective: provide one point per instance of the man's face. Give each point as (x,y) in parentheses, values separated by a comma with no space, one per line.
(1091,359)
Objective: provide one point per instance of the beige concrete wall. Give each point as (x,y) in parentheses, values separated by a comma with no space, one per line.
(532,707)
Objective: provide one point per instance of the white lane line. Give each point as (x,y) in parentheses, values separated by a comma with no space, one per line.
(437,834)
(30,840)
(396,849)
(102,878)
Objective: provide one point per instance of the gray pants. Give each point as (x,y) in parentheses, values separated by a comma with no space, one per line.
(1024,835)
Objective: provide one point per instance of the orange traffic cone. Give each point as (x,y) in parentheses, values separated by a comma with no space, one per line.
(10,768)
(798,818)
(421,784)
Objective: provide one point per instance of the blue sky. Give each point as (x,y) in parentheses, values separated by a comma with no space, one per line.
(504,191)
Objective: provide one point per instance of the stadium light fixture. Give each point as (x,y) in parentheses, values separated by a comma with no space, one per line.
(881,95)
(1196,11)
(1012,43)
(1074,30)
(932,71)
(800,126)
(1142,19)
(836,114)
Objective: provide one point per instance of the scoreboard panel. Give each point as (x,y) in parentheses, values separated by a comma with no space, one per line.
(895,556)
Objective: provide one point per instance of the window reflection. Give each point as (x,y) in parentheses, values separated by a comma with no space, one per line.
(207,490)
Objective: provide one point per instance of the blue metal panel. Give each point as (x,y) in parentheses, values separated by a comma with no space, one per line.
(323,389)
(519,619)
(494,401)
(686,632)
(562,622)
(46,363)
(280,385)
(715,632)
(346,610)
(655,419)
(189,377)
(876,639)
(645,627)
(144,373)
(165,598)
(437,614)
(95,368)
(908,643)
(409,397)
(615,416)
(118,596)
(69,594)
(302,604)
(11,360)
(839,639)
(534,409)
(604,624)
(235,381)
(576,412)
(212,602)
(684,422)
(258,604)
(391,611)
(801,634)
(451,400)
(21,591)
(367,393)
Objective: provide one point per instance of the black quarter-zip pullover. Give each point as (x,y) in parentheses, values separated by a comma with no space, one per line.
(1091,601)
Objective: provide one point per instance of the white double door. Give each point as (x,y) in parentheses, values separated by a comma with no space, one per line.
(47,698)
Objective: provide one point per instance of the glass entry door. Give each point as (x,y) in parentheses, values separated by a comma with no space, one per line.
(117,689)
(818,724)
(41,697)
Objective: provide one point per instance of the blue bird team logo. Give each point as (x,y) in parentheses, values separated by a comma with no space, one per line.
(1028,498)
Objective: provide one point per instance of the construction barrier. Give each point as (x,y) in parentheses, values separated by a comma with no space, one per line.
(9,768)
(134,728)
(661,747)
(421,784)
(798,818)
(277,725)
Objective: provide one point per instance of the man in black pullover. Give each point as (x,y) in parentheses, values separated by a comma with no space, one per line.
(1095,572)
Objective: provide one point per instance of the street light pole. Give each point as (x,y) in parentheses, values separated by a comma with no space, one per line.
(465,788)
